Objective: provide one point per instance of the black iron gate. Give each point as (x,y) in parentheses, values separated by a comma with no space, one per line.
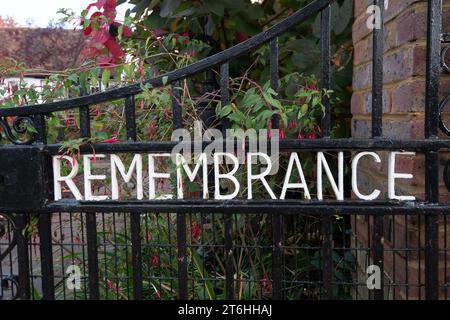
(26,193)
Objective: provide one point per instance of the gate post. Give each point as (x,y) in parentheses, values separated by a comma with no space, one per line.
(23,259)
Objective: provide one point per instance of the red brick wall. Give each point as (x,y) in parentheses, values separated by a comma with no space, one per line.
(403,109)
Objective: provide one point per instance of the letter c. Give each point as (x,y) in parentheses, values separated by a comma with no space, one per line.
(374,195)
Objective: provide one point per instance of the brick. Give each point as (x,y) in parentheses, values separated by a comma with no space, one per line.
(404,63)
(361,7)
(408,128)
(398,6)
(361,128)
(409,97)
(411,26)
(363,51)
(357,103)
(390,36)
(364,99)
(360,29)
(411,127)
(362,77)
(446,19)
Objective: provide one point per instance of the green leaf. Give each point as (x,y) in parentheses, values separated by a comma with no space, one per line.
(165,79)
(120,32)
(210,26)
(236,117)
(304,109)
(273,102)
(141,6)
(223,112)
(214,6)
(105,77)
(249,123)
(344,17)
(266,115)
(168,7)
(73,78)
(316,101)
(199,266)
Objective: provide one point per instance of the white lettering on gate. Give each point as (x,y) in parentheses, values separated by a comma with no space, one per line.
(58,179)
(286,185)
(229,176)
(117,164)
(339,188)
(152,176)
(182,164)
(223,172)
(374,195)
(88,178)
(392,176)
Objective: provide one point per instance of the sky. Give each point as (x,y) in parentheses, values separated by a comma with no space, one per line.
(41,12)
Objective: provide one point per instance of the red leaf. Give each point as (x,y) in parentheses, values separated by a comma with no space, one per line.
(90,52)
(110,5)
(111,140)
(114,49)
(127,32)
(104,61)
(241,36)
(88,30)
(158,32)
(102,35)
(99,4)
(96,15)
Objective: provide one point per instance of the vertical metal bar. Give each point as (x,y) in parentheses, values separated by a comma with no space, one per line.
(23,258)
(85,122)
(377,74)
(45,232)
(85,118)
(433,68)
(274,73)
(130,118)
(182,257)
(325,74)
(432,227)
(377,131)
(327,265)
(228,223)
(274,54)
(277,232)
(432,156)
(229,253)
(176,108)
(91,234)
(225,93)
(277,256)
(39,123)
(46,250)
(378,252)
(136,255)
(181,217)
(325,82)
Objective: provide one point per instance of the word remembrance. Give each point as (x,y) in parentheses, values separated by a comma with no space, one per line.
(253,172)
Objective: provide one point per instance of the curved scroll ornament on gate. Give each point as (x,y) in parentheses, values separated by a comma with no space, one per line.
(10,281)
(22,131)
(445,129)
